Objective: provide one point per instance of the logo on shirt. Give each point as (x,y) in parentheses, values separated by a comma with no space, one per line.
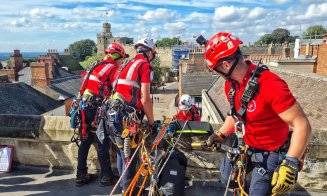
(252,106)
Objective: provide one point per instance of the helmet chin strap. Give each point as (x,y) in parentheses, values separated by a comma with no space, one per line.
(144,54)
(228,75)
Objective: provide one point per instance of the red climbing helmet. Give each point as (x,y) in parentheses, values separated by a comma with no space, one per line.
(221,45)
(116,48)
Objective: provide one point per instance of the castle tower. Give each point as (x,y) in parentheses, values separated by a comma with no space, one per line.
(104,38)
(106,29)
(16,60)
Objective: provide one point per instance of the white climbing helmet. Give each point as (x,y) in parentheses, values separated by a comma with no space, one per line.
(149,43)
(185,102)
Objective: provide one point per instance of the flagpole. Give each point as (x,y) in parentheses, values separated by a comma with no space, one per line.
(107,16)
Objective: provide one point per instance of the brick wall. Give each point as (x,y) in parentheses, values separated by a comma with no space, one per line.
(40,74)
(48,59)
(16,60)
(11,73)
(311,50)
(195,63)
(322,60)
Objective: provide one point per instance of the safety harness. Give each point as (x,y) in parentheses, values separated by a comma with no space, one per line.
(77,111)
(239,159)
(250,90)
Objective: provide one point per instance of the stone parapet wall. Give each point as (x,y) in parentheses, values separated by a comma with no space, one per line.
(52,147)
(164,54)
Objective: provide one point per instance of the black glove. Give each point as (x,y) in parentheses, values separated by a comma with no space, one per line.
(153,128)
(216,137)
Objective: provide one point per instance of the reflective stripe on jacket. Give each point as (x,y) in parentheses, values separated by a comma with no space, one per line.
(128,84)
(101,78)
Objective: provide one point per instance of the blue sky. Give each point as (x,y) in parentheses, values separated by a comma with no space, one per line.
(39,25)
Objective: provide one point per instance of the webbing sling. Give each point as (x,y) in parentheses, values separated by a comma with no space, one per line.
(250,89)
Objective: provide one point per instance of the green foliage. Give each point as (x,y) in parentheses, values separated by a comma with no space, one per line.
(168,42)
(89,60)
(315,31)
(158,71)
(280,35)
(8,63)
(69,62)
(28,61)
(126,40)
(81,49)
(265,39)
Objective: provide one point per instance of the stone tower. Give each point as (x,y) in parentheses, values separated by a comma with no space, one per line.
(16,60)
(104,38)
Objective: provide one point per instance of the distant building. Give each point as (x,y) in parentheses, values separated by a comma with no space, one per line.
(104,39)
(12,68)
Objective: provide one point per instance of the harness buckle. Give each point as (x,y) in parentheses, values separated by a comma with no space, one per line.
(261,171)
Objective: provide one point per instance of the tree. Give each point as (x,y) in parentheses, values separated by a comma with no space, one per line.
(168,42)
(126,40)
(280,35)
(81,49)
(265,39)
(158,72)
(315,31)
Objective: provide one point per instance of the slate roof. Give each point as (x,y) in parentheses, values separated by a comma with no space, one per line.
(25,75)
(193,84)
(68,87)
(20,98)
(310,90)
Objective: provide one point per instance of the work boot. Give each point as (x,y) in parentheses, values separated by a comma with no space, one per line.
(106,181)
(82,178)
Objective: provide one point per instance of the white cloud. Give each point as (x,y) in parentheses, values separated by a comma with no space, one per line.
(196,17)
(38,13)
(282,1)
(91,13)
(20,22)
(314,11)
(128,7)
(175,27)
(158,14)
(229,14)
(257,13)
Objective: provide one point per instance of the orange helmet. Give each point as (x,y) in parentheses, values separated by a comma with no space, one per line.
(221,45)
(116,48)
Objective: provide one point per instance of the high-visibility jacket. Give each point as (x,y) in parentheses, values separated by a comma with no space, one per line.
(192,115)
(137,71)
(101,78)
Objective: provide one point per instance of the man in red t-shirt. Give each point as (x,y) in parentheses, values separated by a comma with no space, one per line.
(133,82)
(95,88)
(187,109)
(264,121)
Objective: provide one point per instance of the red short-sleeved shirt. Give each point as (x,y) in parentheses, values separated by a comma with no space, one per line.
(145,75)
(264,129)
(192,115)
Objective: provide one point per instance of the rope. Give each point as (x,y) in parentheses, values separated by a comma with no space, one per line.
(129,163)
(172,149)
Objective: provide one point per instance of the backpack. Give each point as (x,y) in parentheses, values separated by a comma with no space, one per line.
(172,178)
